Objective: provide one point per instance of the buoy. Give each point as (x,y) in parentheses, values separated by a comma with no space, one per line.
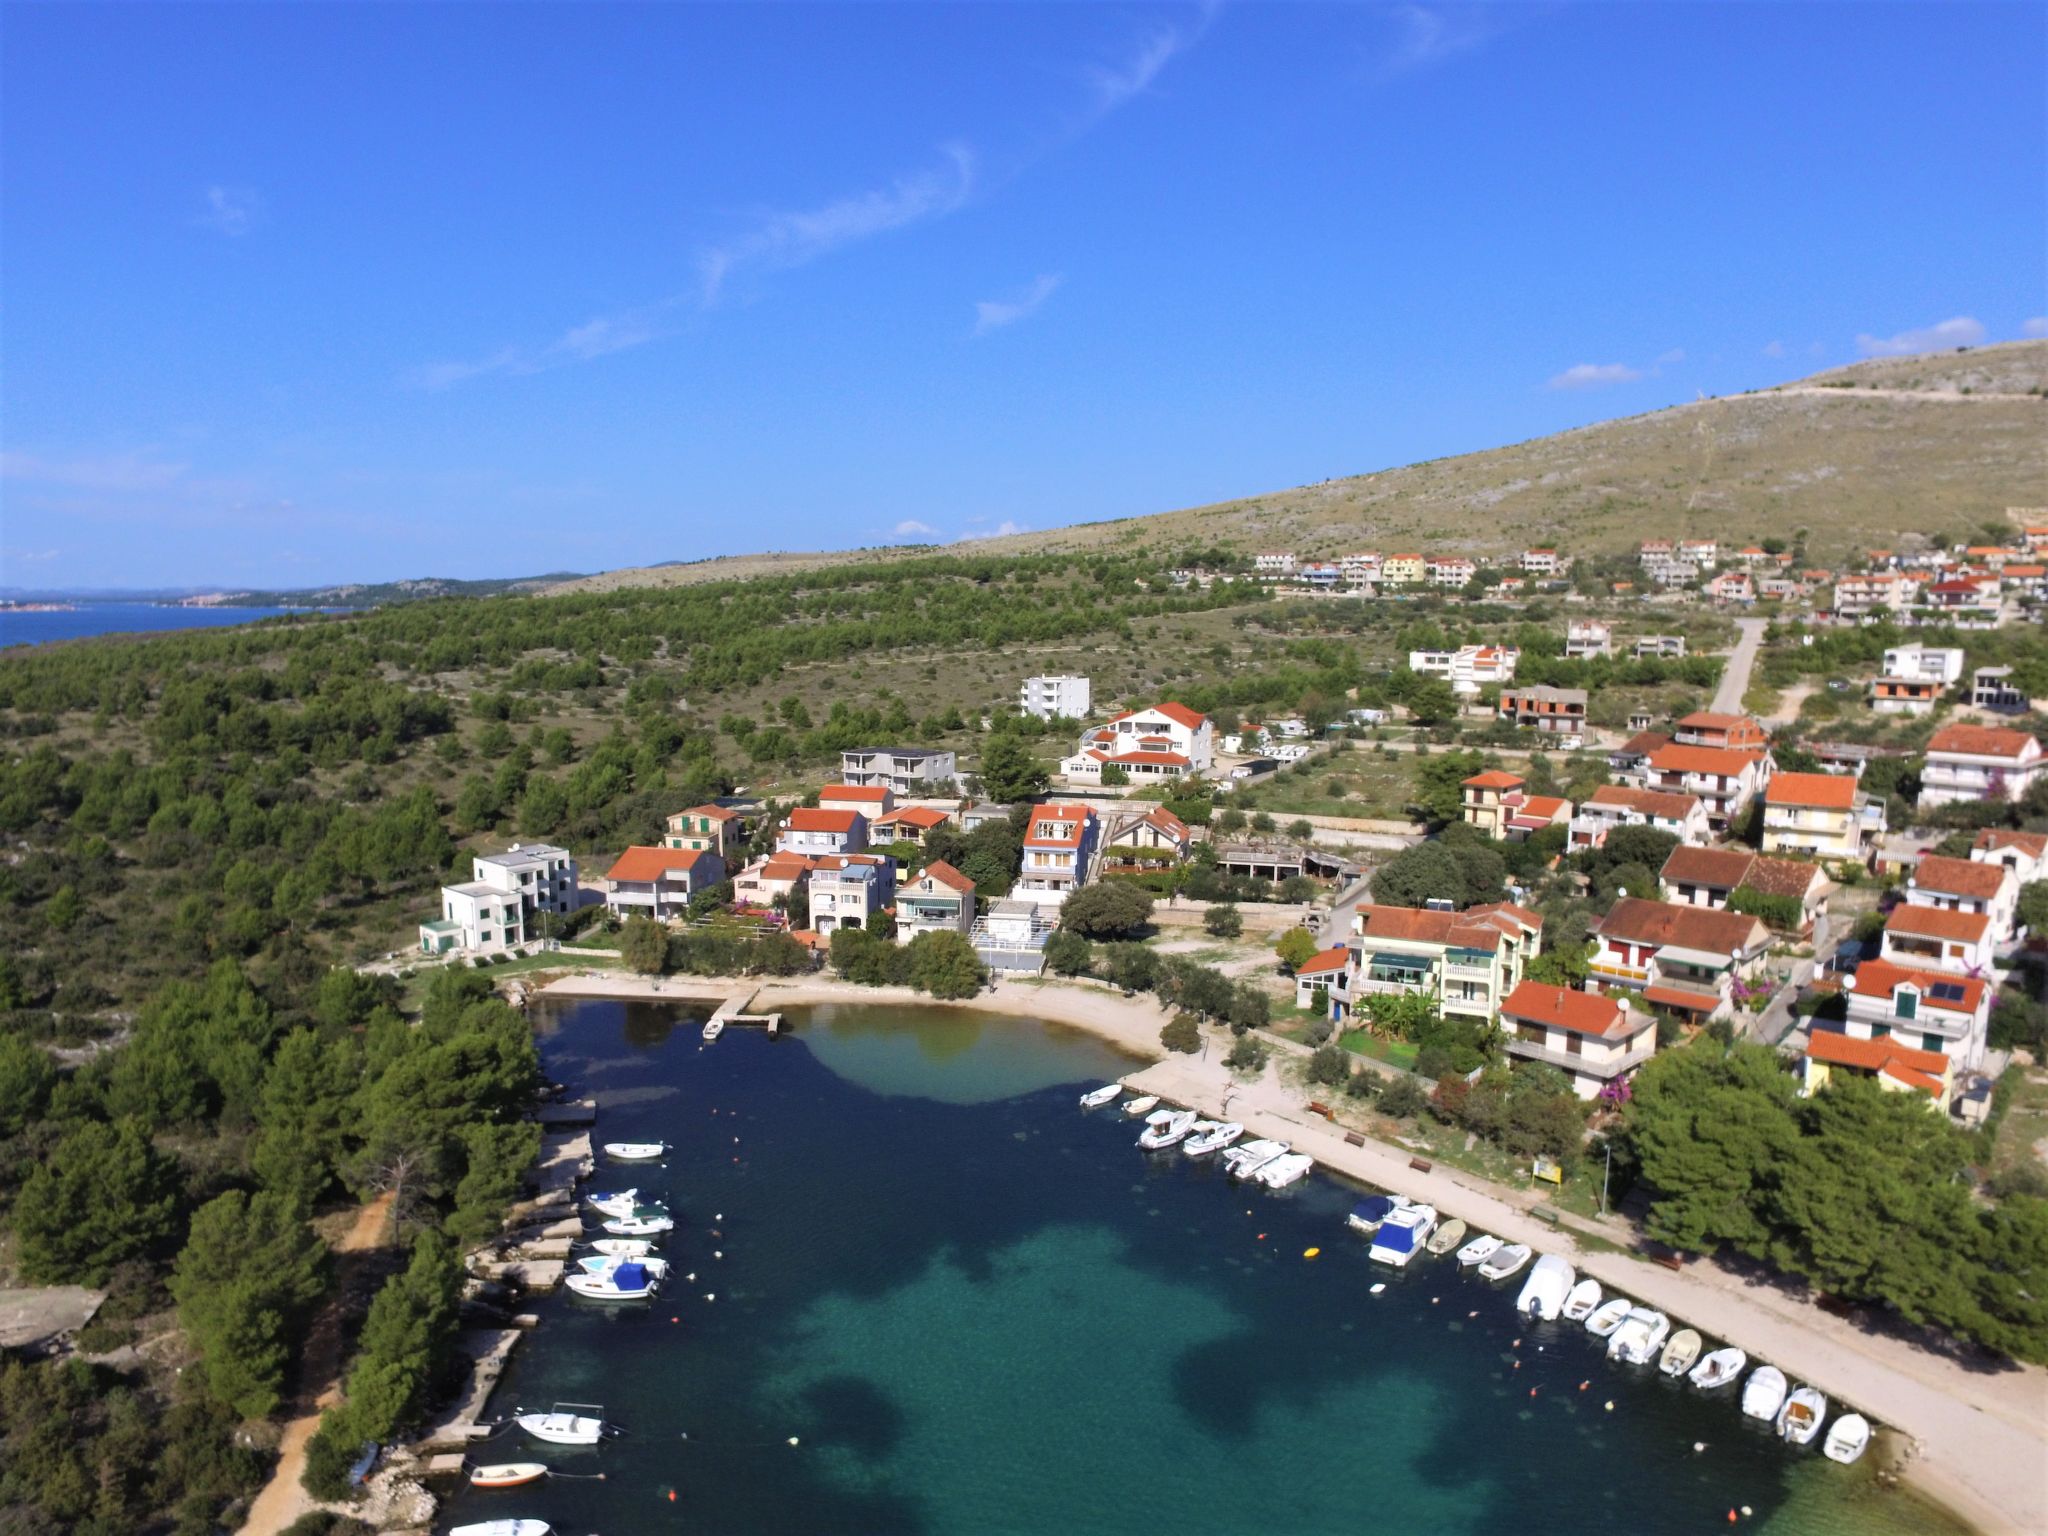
(1518,1365)
(1746,1511)
(1381,1286)
(675,1319)
(1584,1384)
(719,1216)
(1731,1517)
(711,1296)
(1609,1405)
(672,1499)
(1532,1391)
(1473,1313)
(792,1440)
(1309,1253)
(1262,1237)
(1698,1446)
(718,1253)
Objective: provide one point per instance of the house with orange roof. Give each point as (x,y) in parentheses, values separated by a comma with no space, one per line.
(1725,780)
(1403,571)
(1820,816)
(1893,1065)
(1499,804)
(1543,562)
(910,824)
(1972,763)
(1162,742)
(1592,1037)
(1870,595)
(2024,853)
(1623,805)
(816,832)
(1469,668)
(1450,570)
(870,800)
(716,828)
(1929,1010)
(936,899)
(2028,580)
(1686,960)
(1729,733)
(659,882)
(1968,885)
(1468,961)
(849,888)
(1934,939)
(1710,877)
(777,877)
(1969,601)
(1059,846)
(1317,974)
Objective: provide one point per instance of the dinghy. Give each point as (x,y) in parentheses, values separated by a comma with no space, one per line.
(503,1528)
(1165,1127)
(1505,1261)
(1211,1136)
(559,1426)
(1479,1250)
(713,1028)
(628,1280)
(1288,1168)
(1764,1393)
(1720,1367)
(1640,1336)
(507,1474)
(607,1263)
(1680,1353)
(639,1226)
(1106,1094)
(1799,1420)
(1608,1316)
(623,1247)
(1447,1236)
(1579,1305)
(1143,1104)
(1247,1158)
(1847,1438)
(1544,1292)
(626,1202)
(635,1151)
(1402,1235)
(1367,1215)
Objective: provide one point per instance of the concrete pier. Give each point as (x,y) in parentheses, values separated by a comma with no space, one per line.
(461,1424)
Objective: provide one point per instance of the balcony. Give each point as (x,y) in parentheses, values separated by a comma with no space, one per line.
(1619,970)
(1529,1050)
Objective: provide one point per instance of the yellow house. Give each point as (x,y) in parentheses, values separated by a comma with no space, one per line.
(707,829)
(1817,816)
(1403,571)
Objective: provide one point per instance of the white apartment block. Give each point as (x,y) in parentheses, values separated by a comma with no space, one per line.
(1586,638)
(1451,571)
(543,876)
(1273,567)
(1051,697)
(1469,668)
(1926,663)
(1542,562)
(499,907)
(905,771)
(1969,763)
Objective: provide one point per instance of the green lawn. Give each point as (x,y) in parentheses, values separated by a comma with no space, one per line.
(1397,1053)
(2025,1125)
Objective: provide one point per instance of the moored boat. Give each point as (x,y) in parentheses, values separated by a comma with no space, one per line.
(1402,1235)
(1164,1127)
(1248,1157)
(626,1202)
(1446,1237)
(1764,1393)
(1479,1250)
(1210,1136)
(1579,1305)
(713,1028)
(1640,1336)
(1847,1439)
(1799,1420)
(628,1280)
(1288,1168)
(639,1226)
(635,1151)
(623,1247)
(1367,1215)
(610,1263)
(560,1425)
(507,1474)
(1505,1261)
(1608,1316)
(1544,1292)
(503,1528)
(1106,1094)
(1680,1353)
(1718,1368)
(1143,1104)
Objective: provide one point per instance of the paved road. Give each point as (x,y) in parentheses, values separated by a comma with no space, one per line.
(1338,927)
(1735,676)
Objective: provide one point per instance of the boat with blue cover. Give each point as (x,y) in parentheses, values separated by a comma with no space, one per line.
(1367,1215)
(1402,1235)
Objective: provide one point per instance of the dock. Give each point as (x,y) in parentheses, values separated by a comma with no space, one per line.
(731,1012)
(462,1423)
(580,1112)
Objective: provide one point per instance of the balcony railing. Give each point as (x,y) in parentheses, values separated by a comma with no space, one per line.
(1620,970)
(1530,1050)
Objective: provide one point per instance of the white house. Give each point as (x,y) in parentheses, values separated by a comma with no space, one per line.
(474,917)
(1968,885)
(2024,853)
(1925,1010)
(1162,742)
(658,882)
(817,832)
(543,875)
(1933,938)
(937,898)
(1052,696)
(1273,566)
(1621,805)
(506,901)
(1469,668)
(1978,762)
(1592,1037)
(1059,843)
(1726,780)
(1584,638)
(1934,663)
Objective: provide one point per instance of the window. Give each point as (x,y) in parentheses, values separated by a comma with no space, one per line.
(1906,1004)
(1931,1042)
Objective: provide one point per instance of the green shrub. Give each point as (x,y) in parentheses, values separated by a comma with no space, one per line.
(1182,1034)
(1249,1054)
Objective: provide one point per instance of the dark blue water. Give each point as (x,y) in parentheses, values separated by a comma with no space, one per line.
(979,1310)
(18,628)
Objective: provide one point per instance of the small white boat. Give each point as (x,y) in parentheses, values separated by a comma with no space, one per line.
(1764,1393)
(1248,1157)
(1608,1316)
(1799,1420)
(1641,1334)
(1505,1261)
(503,1528)
(559,1426)
(1718,1368)
(1680,1353)
(1165,1127)
(625,1203)
(607,1263)
(1143,1104)
(639,1225)
(1106,1094)
(507,1474)
(1848,1437)
(713,1028)
(1579,1305)
(1288,1168)
(1479,1250)
(635,1151)
(1544,1292)
(1402,1235)
(1367,1215)
(623,1247)
(1447,1236)
(628,1280)
(1211,1136)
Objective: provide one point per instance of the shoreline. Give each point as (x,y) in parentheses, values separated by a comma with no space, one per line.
(1979,1443)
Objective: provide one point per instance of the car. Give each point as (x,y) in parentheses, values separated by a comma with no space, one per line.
(1838,685)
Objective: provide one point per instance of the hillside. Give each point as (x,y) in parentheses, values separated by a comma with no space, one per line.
(1857,455)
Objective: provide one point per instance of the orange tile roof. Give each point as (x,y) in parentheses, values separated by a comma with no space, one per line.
(1722,761)
(922,816)
(714,812)
(1481,928)
(2033,844)
(1924,1070)
(945,874)
(1494,778)
(1935,923)
(1651,802)
(1959,877)
(1881,978)
(1541,808)
(1637,921)
(810,819)
(1722,868)
(873,794)
(1179,714)
(1679,997)
(785,866)
(1582,1013)
(645,865)
(1980,741)
(1329,960)
(1825,791)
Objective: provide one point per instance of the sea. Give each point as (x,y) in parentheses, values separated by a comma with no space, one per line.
(919,1292)
(18,627)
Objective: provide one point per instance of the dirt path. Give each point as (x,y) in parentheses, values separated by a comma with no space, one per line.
(1867,392)
(284,1498)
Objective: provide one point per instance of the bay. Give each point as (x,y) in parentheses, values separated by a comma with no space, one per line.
(978,1309)
(19,627)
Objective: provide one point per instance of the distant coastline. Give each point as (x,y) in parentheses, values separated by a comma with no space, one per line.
(46,621)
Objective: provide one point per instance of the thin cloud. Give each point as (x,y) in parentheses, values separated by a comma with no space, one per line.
(2038,326)
(910,527)
(1430,34)
(230,210)
(1593,376)
(994,314)
(1774,349)
(1001,530)
(1114,85)
(30,556)
(1669,359)
(780,241)
(1962,331)
(598,337)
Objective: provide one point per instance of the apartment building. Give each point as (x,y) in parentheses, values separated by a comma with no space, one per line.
(1361,569)
(848,888)
(1273,566)
(1725,780)
(507,900)
(1403,571)
(1469,668)
(1162,742)
(1468,961)
(659,882)
(1922,1009)
(1820,816)
(1592,1037)
(1969,763)
(1704,553)
(1623,805)
(1542,562)
(708,828)
(777,876)
(1055,696)
(1914,679)
(817,833)
(902,770)
(938,898)
(1059,842)
(1968,885)
(1659,647)
(1729,733)
(1992,688)
(1587,638)
(1684,959)
(1450,570)
(1872,595)
(1554,711)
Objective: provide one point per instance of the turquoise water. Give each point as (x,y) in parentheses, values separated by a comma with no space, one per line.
(981,1310)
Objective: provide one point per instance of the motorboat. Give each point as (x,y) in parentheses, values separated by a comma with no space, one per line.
(1479,1250)
(1367,1215)
(628,1280)
(1106,1094)
(1288,1168)
(1579,1305)
(1799,1420)
(1848,1437)
(1680,1353)
(1143,1104)
(625,1203)
(1641,1334)
(623,1247)
(1402,1235)
(1544,1292)
(1211,1136)
(1764,1393)
(1248,1157)
(713,1028)
(1608,1316)
(1718,1368)
(1165,1127)
(503,1528)
(1505,1261)
(561,1425)
(635,1151)
(1447,1236)
(640,1225)
(606,1263)
(507,1474)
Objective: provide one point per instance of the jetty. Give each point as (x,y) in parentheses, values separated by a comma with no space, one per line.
(730,1010)
(462,1423)
(733,1011)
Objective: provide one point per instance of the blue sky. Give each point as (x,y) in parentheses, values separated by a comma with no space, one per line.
(301,293)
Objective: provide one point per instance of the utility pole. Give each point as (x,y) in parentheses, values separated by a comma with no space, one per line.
(1609,1174)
